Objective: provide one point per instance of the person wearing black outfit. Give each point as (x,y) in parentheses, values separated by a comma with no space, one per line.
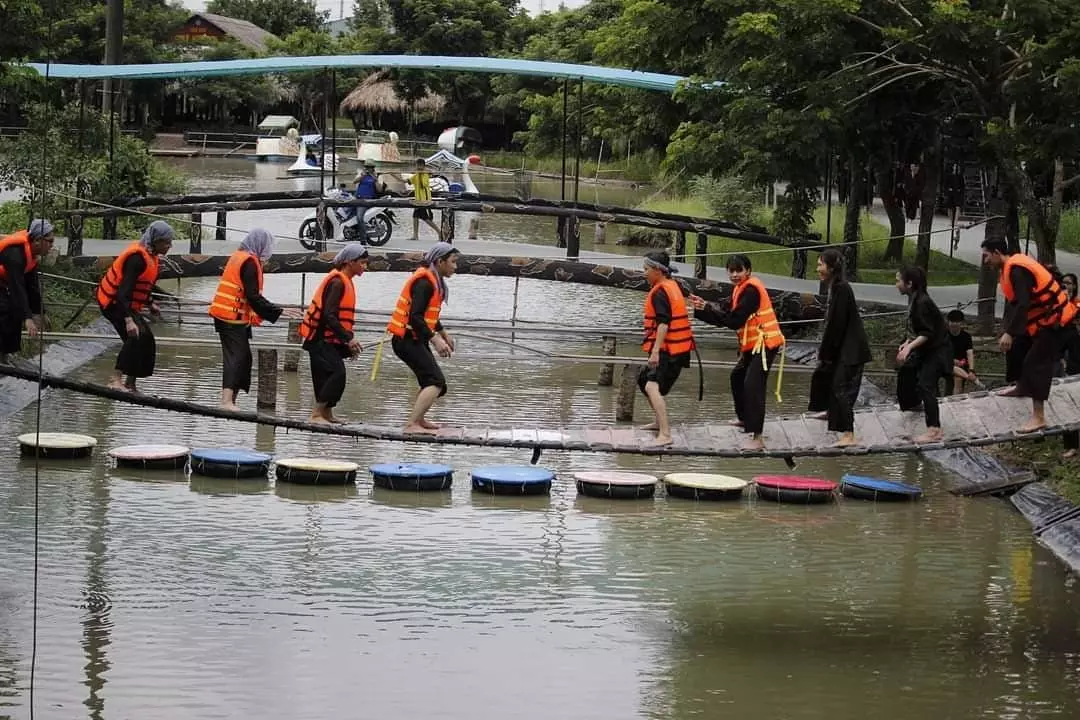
(1071,348)
(924,359)
(327,330)
(20,285)
(842,353)
(963,354)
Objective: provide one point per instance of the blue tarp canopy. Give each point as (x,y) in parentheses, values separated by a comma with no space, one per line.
(258,66)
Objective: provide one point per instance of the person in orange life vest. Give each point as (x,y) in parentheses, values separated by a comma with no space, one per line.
(239,304)
(415,326)
(1071,351)
(124,291)
(926,358)
(669,340)
(20,287)
(327,330)
(1041,310)
(760,340)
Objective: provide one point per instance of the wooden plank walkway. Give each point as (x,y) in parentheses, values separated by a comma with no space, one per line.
(971,420)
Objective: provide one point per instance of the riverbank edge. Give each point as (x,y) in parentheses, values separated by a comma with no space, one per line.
(59,358)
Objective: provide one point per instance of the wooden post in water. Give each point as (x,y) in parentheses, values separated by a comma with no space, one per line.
(513,316)
(680,246)
(222,223)
(607,371)
(195,234)
(446,225)
(573,238)
(292,355)
(600,234)
(628,390)
(474,227)
(75,235)
(701,262)
(266,396)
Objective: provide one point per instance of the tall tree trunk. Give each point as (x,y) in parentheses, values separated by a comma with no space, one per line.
(996,229)
(932,163)
(894,208)
(1043,221)
(852,215)
(1012,216)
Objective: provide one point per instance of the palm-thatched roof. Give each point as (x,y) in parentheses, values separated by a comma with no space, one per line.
(376,94)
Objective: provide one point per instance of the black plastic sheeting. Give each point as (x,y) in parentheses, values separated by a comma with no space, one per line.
(59,358)
(1055,521)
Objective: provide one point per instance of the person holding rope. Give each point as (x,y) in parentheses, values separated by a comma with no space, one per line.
(842,353)
(415,327)
(1041,311)
(20,285)
(239,305)
(124,292)
(924,359)
(327,331)
(668,341)
(760,340)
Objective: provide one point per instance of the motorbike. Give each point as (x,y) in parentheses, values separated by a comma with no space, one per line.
(344,222)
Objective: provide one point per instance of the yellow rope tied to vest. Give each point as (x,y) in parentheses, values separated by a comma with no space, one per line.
(378,356)
(759,349)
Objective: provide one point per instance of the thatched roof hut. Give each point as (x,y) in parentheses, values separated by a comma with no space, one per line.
(376,95)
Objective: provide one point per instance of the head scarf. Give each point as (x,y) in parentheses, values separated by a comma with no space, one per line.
(259,243)
(158,230)
(437,252)
(40,228)
(660,266)
(351,251)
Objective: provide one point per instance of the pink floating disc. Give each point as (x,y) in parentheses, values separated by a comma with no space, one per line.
(791,482)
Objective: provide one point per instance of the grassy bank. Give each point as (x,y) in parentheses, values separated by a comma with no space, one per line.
(638,168)
(873,268)
(1045,459)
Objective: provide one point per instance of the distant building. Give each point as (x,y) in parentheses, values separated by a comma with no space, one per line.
(208,25)
(339,27)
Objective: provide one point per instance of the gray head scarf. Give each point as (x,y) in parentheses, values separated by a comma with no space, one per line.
(351,251)
(437,252)
(259,243)
(40,228)
(158,230)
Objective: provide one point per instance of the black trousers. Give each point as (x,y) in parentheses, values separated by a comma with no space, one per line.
(139,354)
(327,371)
(1014,358)
(917,383)
(748,384)
(834,389)
(1040,363)
(236,356)
(419,358)
(10,325)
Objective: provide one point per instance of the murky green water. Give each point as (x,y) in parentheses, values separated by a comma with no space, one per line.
(163,595)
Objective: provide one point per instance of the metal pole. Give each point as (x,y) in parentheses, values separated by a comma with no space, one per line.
(322,131)
(577,149)
(333,128)
(565,97)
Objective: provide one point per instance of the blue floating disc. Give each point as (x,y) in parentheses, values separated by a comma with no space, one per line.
(230,456)
(512,480)
(411,470)
(886,486)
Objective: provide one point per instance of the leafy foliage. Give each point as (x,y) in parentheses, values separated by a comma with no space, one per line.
(280,17)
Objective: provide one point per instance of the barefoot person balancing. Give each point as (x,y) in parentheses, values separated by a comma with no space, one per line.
(926,358)
(1039,308)
(124,292)
(669,340)
(327,330)
(415,328)
(20,286)
(842,353)
(760,340)
(239,305)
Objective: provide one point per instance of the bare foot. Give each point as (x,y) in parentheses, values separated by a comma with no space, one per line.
(660,441)
(652,427)
(846,440)
(231,407)
(428,424)
(1011,391)
(317,419)
(117,386)
(335,420)
(932,435)
(417,429)
(735,422)
(817,416)
(754,443)
(1031,426)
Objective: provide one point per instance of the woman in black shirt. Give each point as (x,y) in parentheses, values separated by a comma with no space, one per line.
(924,359)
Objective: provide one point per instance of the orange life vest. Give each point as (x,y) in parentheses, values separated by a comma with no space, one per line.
(399,321)
(761,330)
(346,309)
(109,287)
(1049,305)
(230,303)
(679,338)
(21,237)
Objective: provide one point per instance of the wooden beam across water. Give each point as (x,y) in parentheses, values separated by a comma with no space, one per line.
(972,420)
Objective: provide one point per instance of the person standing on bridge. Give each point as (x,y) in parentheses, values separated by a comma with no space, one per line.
(415,327)
(926,358)
(760,340)
(20,286)
(669,340)
(1040,310)
(1071,348)
(327,330)
(842,353)
(124,292)
(238,305)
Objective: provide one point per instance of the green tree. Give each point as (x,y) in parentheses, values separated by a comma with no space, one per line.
(280,17)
